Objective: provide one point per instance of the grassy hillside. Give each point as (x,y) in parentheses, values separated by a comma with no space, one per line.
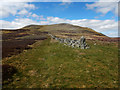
(31,59)
(51,64)
(63,27)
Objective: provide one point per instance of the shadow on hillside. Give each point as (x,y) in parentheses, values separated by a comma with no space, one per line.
(7,73)
(14,47)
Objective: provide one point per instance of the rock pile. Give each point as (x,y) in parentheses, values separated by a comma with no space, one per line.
(81,43)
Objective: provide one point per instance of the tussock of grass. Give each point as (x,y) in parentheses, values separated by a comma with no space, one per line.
(51,64)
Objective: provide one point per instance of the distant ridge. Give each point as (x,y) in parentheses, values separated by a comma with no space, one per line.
(64,27)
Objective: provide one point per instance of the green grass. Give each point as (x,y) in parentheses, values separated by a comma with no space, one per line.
(51,64)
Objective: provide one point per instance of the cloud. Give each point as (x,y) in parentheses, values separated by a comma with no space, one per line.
(17,23)
(75,0)
(14,8)
(55,20)
(17,0)
(104,26)
(66,3)
(42,18)
(59,0)
(35,15)
(104,7)
(22,7)
(98,25)
(23,12)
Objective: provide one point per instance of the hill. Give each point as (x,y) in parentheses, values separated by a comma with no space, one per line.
(31,59)
(64,27)
(21,38)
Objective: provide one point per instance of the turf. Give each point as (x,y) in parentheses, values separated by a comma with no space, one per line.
(52,65)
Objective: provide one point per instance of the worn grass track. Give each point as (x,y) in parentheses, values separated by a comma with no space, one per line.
(51,64)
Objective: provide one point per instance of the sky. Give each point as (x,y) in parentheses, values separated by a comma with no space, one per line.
(100,16)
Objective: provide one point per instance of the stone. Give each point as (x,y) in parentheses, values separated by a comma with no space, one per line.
(62,41)
(82,42)
(56,38)
(82,46)
(59,39)
(78,42)
(69,44)
(73,41)
(73,45)
(87,47)
(67,40)
(53,37)
(78,45)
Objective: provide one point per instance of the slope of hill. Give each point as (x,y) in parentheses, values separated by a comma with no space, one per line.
(31,59)
(29,34)
(63,27)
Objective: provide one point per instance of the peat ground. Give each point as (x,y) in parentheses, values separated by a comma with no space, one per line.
(15,41)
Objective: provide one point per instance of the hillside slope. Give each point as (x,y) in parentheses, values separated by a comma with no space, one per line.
(31,59)
(64,28)
(50,64)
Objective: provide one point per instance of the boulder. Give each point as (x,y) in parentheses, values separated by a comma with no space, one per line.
(83,43)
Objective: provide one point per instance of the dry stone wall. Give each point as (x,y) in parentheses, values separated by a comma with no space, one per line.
(81,43)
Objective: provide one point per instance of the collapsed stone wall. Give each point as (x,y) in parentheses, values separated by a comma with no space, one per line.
(81,43)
